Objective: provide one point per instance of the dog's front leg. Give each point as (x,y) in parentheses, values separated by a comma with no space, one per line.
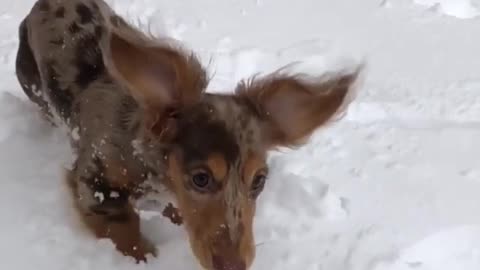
(123,228)
(107,212)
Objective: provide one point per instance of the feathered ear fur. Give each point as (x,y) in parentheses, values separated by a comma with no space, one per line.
(161,78)
(292,107)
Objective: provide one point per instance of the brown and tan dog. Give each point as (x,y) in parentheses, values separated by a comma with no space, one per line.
(139,114)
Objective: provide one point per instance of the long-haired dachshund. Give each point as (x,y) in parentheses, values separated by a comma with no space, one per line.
(139,115)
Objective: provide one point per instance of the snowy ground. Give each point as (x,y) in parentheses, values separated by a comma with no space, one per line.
(393,186)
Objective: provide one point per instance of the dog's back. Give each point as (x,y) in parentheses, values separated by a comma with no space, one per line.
(60,66)
(59,40)
(60,60)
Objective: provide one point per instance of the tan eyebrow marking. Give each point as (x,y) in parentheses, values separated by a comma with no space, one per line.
(218,165)
(252,165)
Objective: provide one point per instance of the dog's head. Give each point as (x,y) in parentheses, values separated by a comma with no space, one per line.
(213,147)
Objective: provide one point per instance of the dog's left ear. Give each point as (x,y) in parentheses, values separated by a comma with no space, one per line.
(291,108)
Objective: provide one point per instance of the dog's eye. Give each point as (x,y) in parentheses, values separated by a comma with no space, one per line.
(258,183)
(201,179)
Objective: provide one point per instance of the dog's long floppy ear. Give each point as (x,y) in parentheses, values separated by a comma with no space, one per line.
(160,77)
(291,108)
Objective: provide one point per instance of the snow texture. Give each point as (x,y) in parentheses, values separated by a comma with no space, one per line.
(464,9)
(395,185)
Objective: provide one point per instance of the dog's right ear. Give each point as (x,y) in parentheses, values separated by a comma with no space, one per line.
(161,78)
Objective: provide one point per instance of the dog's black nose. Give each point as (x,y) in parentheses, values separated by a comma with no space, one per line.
(221,263)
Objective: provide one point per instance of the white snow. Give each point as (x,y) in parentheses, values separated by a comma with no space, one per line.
(114,194)
(395,185)
(464,9)
(99,196)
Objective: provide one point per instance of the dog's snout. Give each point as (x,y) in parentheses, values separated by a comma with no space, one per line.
(222,263)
